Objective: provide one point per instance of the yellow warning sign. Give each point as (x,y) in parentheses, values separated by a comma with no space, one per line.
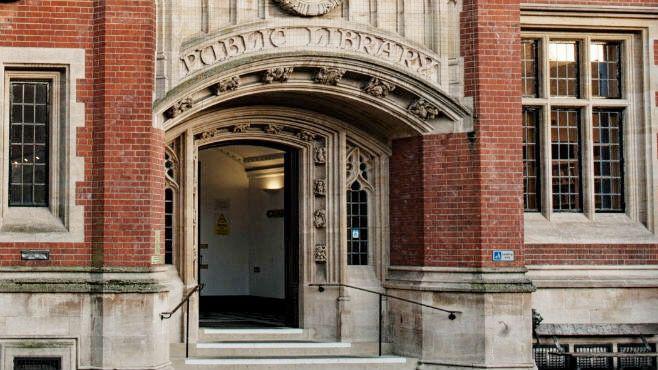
(222,227)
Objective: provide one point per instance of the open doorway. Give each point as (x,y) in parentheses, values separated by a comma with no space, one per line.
(248,236)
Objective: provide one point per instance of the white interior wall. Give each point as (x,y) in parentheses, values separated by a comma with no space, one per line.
(254,239)
(267,249)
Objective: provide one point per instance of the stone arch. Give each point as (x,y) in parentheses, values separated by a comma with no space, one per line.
(394,103)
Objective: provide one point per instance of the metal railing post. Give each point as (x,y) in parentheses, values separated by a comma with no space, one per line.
(187,330)
(380,325)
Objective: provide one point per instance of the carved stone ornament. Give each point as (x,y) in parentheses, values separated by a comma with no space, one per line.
(378,88)
(320,253)
(329,76)
(320,219)
(280,74)
(241,127)
(320,155)
(320,187)
(211,133)
(306,135)
(229,84)
(179,107)
(273,129)
(308,8)
(423,109)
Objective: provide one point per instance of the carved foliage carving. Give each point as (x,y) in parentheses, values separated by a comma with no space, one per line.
(273,129)
(320,253)
(280,74)
(306,135)
(320,187)
(229,84)
(320,219)
(320,155)
(179,107)
(423,109)
(241,127)
(329,75)
(379,88)
(308,8)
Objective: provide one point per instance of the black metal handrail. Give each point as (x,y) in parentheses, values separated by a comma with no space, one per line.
(186,299)
(451,313)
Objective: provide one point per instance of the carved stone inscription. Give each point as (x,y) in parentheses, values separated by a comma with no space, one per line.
(324,38)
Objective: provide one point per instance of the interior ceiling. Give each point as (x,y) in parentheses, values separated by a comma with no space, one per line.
(252,156)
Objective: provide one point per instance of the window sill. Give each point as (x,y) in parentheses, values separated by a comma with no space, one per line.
(575,228)
(30,224)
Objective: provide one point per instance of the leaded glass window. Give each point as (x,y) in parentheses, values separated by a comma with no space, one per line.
(529,66)
(359,191)
(29,122)
(531,159)
(564,68)
(608,161)
(169,226)
(605,59)
(565,149)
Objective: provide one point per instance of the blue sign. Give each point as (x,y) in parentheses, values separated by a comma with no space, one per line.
(503,256)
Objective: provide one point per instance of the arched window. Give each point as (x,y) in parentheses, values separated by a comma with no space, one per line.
(171,190)
(359,193)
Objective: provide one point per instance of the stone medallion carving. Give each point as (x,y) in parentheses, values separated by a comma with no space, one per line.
(229,84)
(280,74)
(178,108)
(379,88)
(320,219)
(423,109)
(320,187)
(308,8)
(320,253)
(329,76)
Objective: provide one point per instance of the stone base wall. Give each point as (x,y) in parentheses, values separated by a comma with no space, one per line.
(99,320)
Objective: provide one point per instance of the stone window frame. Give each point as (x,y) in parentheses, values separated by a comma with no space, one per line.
(63,219)
(63,348)
(586,103)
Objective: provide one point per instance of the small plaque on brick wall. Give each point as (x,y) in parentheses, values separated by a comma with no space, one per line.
(35,255)
(503,256)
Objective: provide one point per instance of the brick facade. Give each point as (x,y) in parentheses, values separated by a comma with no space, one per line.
(122,192)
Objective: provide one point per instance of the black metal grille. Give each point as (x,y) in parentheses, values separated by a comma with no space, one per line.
(585,363)
(169,226)
(28,143)
(565,145)
(564,68)
(546,361)
(357,225)
(531,159)
(606,69)
(639,363)
(608,161)
(37,363)
(529,57)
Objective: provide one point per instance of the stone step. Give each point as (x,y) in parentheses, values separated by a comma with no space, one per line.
(262,349)
(297,363)
(247,335)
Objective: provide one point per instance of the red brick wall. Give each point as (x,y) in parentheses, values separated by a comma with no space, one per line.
(596,2)
(591,254)
(122,192)
(491,49)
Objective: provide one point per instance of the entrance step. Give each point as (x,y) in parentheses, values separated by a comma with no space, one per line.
(299,363)
(272,349)
(279,349)
(257,335)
